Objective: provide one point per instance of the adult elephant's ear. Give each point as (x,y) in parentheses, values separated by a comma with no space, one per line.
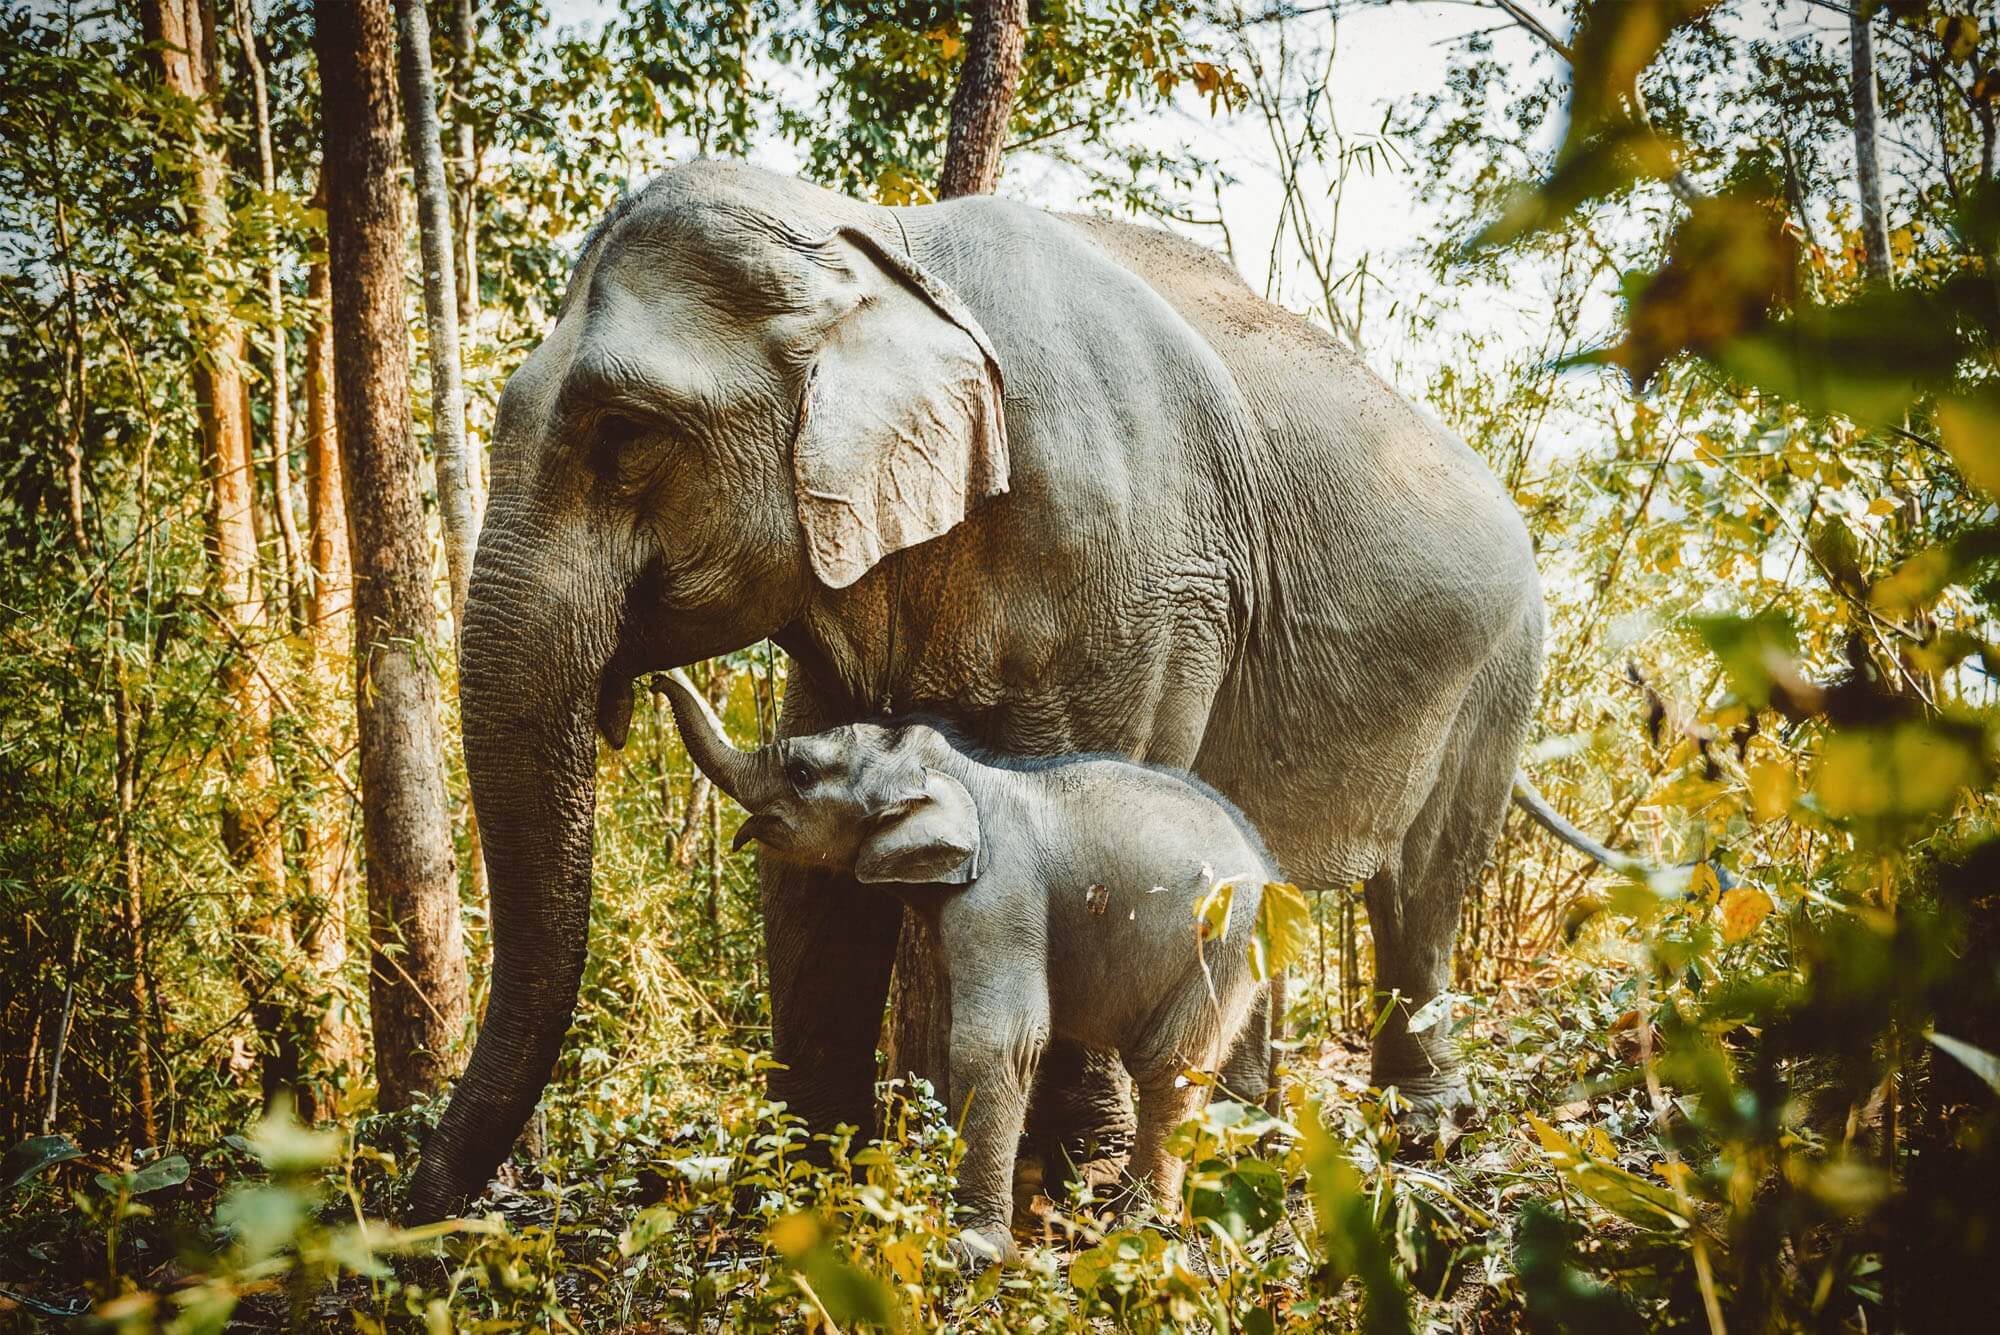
(933,839)
(901,431)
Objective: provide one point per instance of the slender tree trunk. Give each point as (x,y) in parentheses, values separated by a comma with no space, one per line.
(466,234)
(450,442)
(1867,142)
(417,982)
(984,101)
(53,1100)
(291,565)
(184,52)
(467,152)
(329,635)
(145,1127)
(413,29)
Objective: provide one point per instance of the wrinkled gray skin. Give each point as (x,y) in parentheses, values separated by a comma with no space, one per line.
(1061,896)
(1068,484)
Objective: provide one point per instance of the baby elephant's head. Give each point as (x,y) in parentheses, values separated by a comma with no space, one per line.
(863,798)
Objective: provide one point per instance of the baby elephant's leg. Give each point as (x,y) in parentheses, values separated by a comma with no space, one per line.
(998,1030)
(1165,1101)
(1191,1035)
(1247,1070)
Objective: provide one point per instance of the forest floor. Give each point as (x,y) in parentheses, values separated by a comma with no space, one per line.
(706,1216)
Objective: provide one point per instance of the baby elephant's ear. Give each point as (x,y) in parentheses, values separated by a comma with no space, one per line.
(935,839)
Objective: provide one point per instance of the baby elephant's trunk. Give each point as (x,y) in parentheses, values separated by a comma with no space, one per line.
(749,777)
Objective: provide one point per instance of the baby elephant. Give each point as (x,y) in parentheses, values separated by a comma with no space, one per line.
(1062,894)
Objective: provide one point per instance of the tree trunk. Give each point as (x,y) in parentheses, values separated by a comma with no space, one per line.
(984,101)
(181,34)
(467,152)
(450,442)
(291,565)
(416,980)
(413,27)
(1867,142)
(145,1127)
(329,635)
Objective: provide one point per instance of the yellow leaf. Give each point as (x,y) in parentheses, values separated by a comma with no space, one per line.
(905,1257)
(947,41)
(1703,885)
(1211,911)
(1600,1144)
(1284,925)
(1743,912)
(1971,431)
(1771,789)
(1958,34)
(795,1235)
(1554,1143)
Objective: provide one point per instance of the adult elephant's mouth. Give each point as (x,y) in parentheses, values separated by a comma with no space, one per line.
(614,704)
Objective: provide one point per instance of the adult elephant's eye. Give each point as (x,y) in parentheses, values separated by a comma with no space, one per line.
(800,776)
(615,434)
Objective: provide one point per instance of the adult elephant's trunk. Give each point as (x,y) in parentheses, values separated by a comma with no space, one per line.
(747,776)
(540,624)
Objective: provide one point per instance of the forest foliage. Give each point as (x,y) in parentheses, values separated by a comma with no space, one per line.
(1753,422)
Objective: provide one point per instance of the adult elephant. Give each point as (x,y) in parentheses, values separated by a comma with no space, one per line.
(1066,482)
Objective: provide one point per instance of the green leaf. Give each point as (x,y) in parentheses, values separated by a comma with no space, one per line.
(1284,927)
(1626,1194)
(849,1294)
(160,1174)
(1891,780)
(1918,581)
(1605,165)
(1970,426)
(1867,359)
(1757,653)
(1976,1060)
(282,1145)
(1350,1244)
(1612,48)
(35,1155)
(1244,1200)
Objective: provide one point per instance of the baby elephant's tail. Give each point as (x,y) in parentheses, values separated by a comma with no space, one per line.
(1529,798)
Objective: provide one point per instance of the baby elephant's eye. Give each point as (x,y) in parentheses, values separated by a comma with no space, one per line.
(800,776)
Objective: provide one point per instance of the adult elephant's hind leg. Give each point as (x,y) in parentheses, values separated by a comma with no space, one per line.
(1414,902)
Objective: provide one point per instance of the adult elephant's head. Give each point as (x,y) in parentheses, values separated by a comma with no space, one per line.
(751,395)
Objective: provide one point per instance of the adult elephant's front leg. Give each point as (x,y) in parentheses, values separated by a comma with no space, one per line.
(830,943)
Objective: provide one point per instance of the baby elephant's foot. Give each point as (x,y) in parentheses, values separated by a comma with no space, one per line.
(976,1248)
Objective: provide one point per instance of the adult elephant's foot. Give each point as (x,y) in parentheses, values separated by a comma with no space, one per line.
(974,1249)
(1431,1090)
(1429,1105)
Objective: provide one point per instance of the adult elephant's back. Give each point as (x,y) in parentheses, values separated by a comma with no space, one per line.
(1372,726)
